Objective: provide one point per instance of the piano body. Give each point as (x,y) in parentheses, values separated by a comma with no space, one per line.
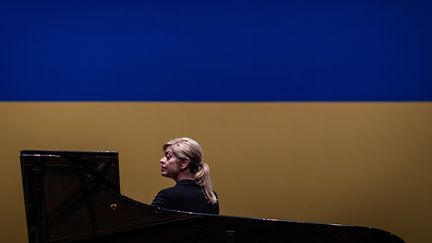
(73,196)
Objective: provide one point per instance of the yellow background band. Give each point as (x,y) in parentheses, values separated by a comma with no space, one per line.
(366,164)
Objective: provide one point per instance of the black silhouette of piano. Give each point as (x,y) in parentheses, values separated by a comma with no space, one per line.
(73,196)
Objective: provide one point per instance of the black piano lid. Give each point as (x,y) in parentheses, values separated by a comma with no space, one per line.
(74,196)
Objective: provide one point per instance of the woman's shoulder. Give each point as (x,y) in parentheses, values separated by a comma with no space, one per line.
(167,190)
(172,191)
(164,197)
(184,188)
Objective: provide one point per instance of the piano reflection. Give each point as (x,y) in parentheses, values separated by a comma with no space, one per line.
(73,196)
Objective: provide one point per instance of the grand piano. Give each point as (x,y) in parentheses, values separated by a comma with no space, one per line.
(74,196)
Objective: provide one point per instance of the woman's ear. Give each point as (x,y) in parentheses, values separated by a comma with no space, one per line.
(184,164)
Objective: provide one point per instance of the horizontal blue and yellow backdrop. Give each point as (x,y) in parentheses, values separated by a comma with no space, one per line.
(307,110)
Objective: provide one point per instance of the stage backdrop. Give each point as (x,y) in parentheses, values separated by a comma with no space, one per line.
(351,163)
(315,111)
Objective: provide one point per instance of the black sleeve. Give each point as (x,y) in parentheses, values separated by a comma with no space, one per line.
(161,200)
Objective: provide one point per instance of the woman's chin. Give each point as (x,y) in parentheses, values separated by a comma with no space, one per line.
(164,174)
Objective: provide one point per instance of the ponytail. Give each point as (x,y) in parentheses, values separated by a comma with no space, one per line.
(202,177)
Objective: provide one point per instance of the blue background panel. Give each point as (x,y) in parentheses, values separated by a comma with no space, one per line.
(215,51)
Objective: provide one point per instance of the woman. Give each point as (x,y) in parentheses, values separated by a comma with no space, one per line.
(193,191)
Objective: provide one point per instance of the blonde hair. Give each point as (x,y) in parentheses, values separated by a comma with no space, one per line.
(187,148)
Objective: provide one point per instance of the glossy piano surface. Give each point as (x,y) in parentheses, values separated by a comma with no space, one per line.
(75,197)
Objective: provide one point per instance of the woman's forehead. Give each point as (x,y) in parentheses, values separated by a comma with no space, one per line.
(168,149)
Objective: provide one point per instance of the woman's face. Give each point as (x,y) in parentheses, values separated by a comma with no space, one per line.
(170,164)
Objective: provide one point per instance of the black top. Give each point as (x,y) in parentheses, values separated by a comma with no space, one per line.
(186,195)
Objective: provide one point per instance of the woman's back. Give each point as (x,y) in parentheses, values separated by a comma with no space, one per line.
(186,195)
